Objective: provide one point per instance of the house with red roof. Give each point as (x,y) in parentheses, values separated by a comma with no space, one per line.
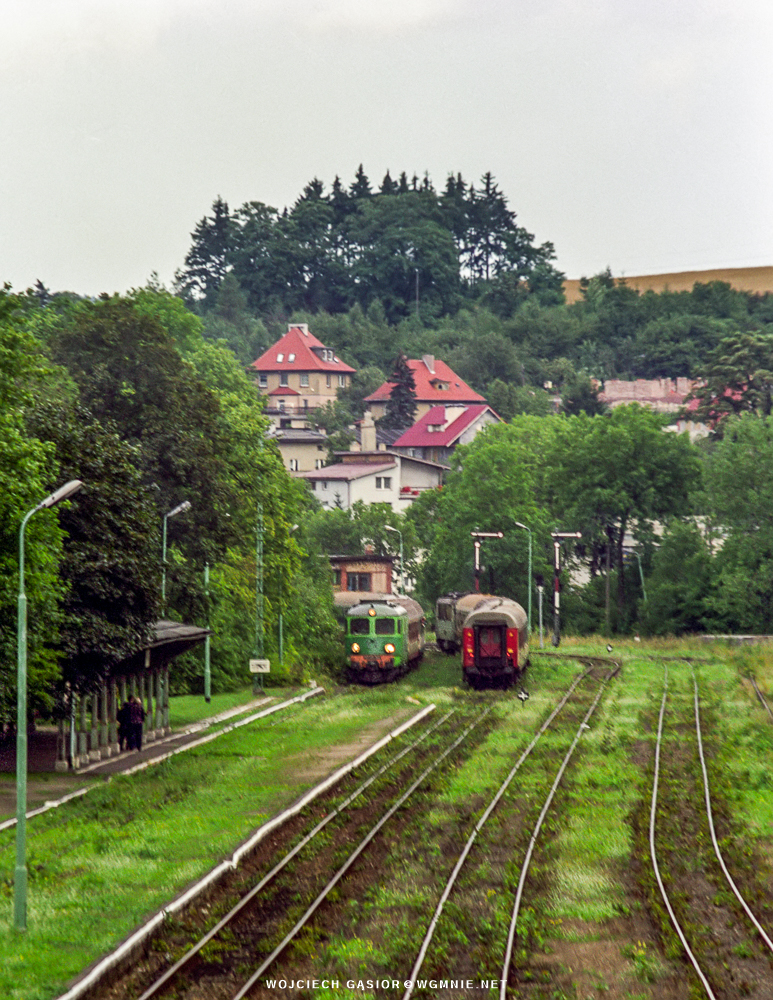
(436,385)
(435,435)
(299,374)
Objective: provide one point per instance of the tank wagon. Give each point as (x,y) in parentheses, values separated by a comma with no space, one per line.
(450,613)
(495,643)
(384,639)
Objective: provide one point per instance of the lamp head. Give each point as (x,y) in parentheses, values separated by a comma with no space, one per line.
(63,493)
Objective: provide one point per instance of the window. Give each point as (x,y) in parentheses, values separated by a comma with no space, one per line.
(281,406)
(324,484)
(313,485)
(280,357)
(318,463)
(337,577)
(283,379)
(291,358)
(359,626)
(328,380)
(304,378)
(293,465)
(385,626)
(383,482)
(263,381)
(342,381)
(358,581)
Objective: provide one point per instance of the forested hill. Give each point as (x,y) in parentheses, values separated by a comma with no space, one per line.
(401,243)
(404,268)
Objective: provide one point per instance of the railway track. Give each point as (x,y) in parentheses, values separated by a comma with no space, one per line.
(522,848)
(280,905)
(724,943)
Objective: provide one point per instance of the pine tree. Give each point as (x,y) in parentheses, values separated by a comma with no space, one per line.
(401,406)
(207,260)
(388,186)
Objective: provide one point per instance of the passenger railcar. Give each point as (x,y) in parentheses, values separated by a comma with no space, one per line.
(495,643)
(450,613)
(384,639)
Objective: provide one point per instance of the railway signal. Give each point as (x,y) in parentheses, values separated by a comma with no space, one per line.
(478,535)
(557,537)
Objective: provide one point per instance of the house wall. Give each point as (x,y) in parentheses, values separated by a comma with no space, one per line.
(306,454)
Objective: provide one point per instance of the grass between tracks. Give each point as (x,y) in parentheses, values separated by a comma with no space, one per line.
(99,866)
(581,906)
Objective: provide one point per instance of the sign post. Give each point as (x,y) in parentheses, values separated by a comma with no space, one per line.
(258,668)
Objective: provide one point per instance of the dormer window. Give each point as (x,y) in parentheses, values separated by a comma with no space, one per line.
(437,384)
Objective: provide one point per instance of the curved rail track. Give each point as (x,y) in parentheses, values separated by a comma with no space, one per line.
(681,924)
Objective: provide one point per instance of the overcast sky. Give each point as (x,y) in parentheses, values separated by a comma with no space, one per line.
(631,133)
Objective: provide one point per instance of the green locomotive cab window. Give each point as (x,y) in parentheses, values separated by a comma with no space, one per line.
(359,626)
(385,626)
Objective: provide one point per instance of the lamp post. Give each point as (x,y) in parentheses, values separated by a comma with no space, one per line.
(519,525)
(20,876)
(402,564)
(207,668)
(281,583)
(540,589)
(185,505)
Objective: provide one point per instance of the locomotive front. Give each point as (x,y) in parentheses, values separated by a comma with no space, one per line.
(376,636)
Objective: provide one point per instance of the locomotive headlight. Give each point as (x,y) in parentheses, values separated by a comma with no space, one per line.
(355,647)
(389,647)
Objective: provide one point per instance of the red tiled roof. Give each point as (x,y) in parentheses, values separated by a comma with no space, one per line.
(457,392)
(420,436)
(348,470)
(299,345)
(284,390)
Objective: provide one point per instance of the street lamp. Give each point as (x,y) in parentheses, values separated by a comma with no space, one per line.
(402,573)
(281,582)
(185,505)
(519,525)
(20,877)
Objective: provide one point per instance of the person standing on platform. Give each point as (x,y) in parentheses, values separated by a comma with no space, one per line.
(136,718)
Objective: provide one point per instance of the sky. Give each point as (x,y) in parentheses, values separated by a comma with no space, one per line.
(632,134)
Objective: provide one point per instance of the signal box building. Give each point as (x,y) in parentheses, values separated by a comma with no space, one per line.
(299,374)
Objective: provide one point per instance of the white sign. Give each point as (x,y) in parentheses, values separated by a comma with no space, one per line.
(260,666)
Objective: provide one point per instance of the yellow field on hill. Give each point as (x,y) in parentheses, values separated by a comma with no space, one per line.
(745,279)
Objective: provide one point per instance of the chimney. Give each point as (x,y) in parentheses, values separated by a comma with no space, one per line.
(367,432)
(429,361)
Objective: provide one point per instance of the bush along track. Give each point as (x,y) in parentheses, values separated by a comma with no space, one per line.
(701,923)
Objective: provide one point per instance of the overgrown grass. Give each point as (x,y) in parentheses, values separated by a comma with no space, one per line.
(100,865)
(186,709)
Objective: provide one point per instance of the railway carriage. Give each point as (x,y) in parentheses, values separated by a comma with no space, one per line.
(450,613)
(495,643)
(384,638)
